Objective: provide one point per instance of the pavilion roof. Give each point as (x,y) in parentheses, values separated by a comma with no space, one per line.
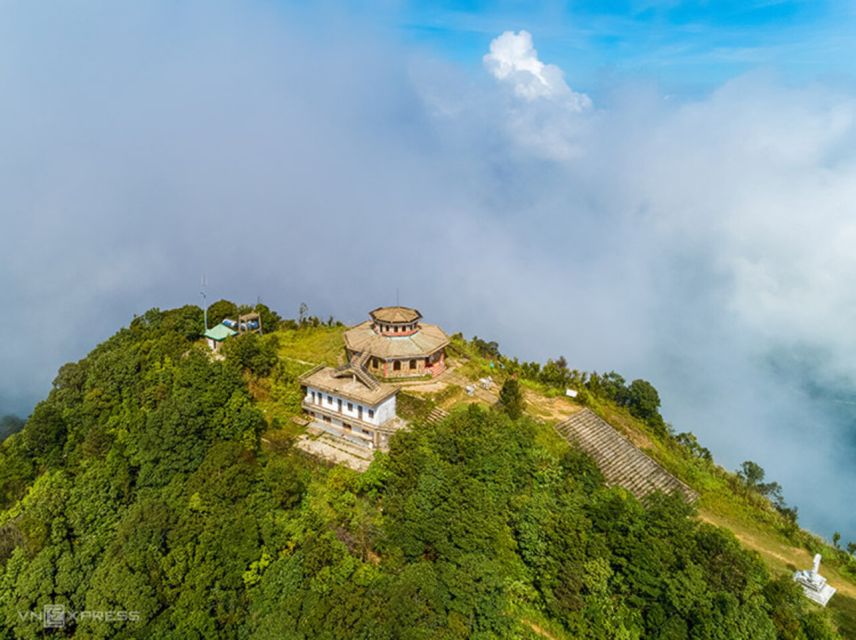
(395,314)
(424,342)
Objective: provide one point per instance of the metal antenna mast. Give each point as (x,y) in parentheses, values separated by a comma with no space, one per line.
(204,301)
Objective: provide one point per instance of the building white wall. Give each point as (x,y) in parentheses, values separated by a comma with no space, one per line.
(385,410)
(382,412)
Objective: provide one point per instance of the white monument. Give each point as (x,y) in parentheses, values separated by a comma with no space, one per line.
(813,584)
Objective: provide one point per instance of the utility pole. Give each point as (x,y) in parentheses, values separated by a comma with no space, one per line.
(204,301)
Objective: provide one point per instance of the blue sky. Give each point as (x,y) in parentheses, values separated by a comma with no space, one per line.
(683,46)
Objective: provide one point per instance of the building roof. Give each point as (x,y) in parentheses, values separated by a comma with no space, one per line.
(427,340)
(220,332)
(348,386)
(395,314)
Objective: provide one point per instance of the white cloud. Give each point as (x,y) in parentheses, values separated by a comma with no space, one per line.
(513,60)
(679,241)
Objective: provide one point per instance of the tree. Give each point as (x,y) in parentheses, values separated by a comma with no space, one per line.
(689,442)
(751,473)
(252,352)
(10,424)
(485,348)
(851,548)
(836,540)
(270,318)
(643,400)
(220,310)
(45,433)
(511,398)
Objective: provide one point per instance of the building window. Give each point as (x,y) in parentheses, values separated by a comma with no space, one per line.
(375,363)
(367,432)
(313,396)
(396,366)
(329,399)
(346,426)
(413,364)
(350,406)
(371,413)
(327,419)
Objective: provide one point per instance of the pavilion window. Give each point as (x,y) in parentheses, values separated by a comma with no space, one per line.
(413,364)
(396,365)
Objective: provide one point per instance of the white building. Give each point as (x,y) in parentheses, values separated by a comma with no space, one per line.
(349,403)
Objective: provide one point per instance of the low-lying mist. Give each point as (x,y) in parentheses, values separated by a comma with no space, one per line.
(703,243)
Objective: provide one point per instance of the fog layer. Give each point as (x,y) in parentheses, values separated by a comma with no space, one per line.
(704,244)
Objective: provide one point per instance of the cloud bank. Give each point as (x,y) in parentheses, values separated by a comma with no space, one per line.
(703,244)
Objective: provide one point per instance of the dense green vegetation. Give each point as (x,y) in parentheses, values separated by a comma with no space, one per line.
(9,424)
(140,485)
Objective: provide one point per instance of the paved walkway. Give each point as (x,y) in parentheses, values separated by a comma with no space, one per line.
(334,450)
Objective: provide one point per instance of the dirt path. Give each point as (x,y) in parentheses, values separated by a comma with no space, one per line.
(541,632)
(780,555)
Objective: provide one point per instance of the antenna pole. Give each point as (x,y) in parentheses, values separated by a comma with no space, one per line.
(204,303)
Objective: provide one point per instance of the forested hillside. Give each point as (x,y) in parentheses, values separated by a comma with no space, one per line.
(140,487)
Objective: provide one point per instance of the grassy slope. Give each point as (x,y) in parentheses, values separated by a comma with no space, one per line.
(755,523)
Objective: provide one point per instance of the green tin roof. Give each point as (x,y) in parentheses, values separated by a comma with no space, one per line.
(220,333)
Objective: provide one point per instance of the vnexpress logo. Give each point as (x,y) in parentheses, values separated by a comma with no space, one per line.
(53,616)
(58,616)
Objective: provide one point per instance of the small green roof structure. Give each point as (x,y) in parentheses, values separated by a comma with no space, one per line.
(220,333)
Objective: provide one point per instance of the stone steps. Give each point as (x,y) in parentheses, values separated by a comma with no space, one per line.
(620,461)
(357,367)
(437,415)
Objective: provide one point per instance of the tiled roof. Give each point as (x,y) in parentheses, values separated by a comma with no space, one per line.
(395,314)
(427,340)
(348,386)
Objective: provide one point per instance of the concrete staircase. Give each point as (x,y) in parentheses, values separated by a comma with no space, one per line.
(437,415)
(620,461)
(357,367)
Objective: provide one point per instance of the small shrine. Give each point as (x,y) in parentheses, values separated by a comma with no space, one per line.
(814,585)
